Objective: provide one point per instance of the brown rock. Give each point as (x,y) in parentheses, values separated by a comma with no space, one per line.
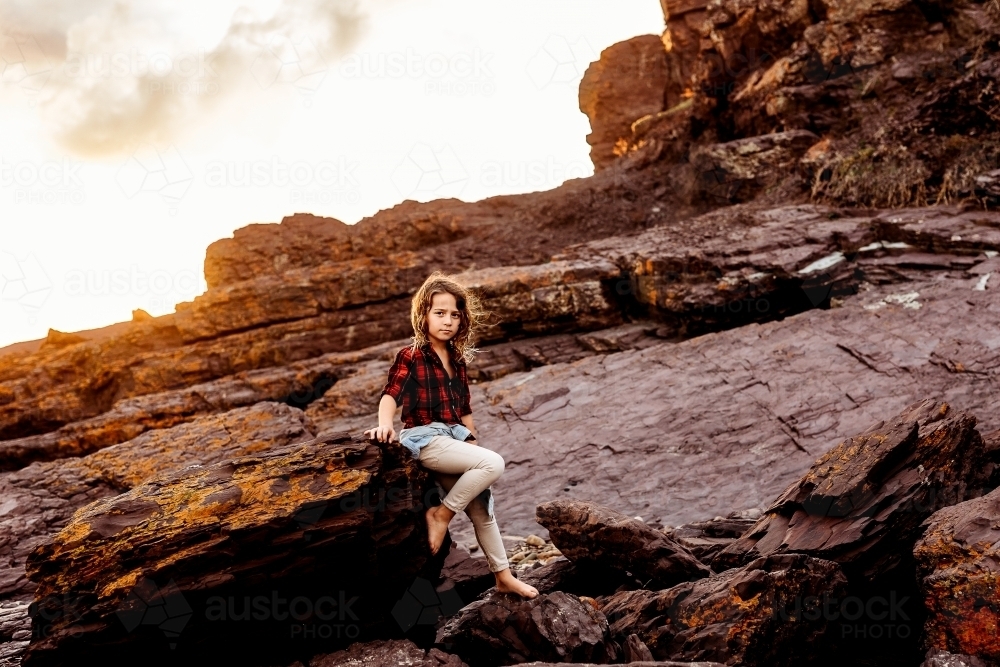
(335,522)
(958,565)
(598,536)
(635,650)
(303,240)
(57,339)
(386,653)
(938,658)
(503,629)
(15,631)
(705,539)
(861,504)
(736,171)
(562,574)
(39,500)
(626,83)
(746,616)
(466,575)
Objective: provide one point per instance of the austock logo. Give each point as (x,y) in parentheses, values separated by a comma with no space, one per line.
(874,617)
(148,604)
(371,500)
(421,604)
(58,611)
(312,618)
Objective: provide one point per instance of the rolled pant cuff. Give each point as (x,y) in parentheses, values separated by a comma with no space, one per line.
(451,505)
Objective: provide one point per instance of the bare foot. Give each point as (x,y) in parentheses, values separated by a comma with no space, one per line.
(508,583)
(438,518)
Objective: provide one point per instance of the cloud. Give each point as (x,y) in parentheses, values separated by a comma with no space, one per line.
(110,75)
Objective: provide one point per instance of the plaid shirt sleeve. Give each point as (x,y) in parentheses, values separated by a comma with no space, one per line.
(399,374)
(465,405)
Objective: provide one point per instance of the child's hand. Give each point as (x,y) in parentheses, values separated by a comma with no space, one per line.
(381,433)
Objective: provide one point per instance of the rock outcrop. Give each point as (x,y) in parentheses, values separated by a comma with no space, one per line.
(626,83)
(504,629)
(590,534)
(39,500)
(238,556)
(873,79)
(861,504)
(958,565)
(751,616)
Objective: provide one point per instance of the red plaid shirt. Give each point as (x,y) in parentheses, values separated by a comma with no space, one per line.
(419,382)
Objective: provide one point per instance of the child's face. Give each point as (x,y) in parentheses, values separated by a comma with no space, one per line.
(443,318)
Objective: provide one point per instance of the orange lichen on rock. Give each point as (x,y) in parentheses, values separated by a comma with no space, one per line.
(275,516)
(958,561)
(741,616)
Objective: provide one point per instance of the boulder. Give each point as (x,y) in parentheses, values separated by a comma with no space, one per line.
(504,629)
(760,614)
(958,568)
(861,504)
(256,557)
(386,653)
(597,536)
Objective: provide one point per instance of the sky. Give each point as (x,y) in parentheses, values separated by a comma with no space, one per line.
(133,135)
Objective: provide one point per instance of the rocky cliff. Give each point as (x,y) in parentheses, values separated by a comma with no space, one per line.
(791,242)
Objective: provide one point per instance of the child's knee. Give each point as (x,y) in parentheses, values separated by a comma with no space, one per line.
(495,464)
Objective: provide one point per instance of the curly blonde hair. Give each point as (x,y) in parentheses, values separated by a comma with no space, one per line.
(469,307)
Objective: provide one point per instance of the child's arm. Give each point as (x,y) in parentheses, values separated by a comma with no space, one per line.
(386,411)
(465,408)
(392,397)
(469,424)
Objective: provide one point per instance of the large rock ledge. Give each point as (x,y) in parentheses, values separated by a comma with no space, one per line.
(327,531)
(39,500)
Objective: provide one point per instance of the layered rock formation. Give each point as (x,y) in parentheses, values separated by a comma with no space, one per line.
(39,500)
(321,531)
(747,616)
(862,502)
(871,80)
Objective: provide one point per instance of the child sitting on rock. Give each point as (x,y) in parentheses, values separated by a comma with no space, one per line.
(429,379)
